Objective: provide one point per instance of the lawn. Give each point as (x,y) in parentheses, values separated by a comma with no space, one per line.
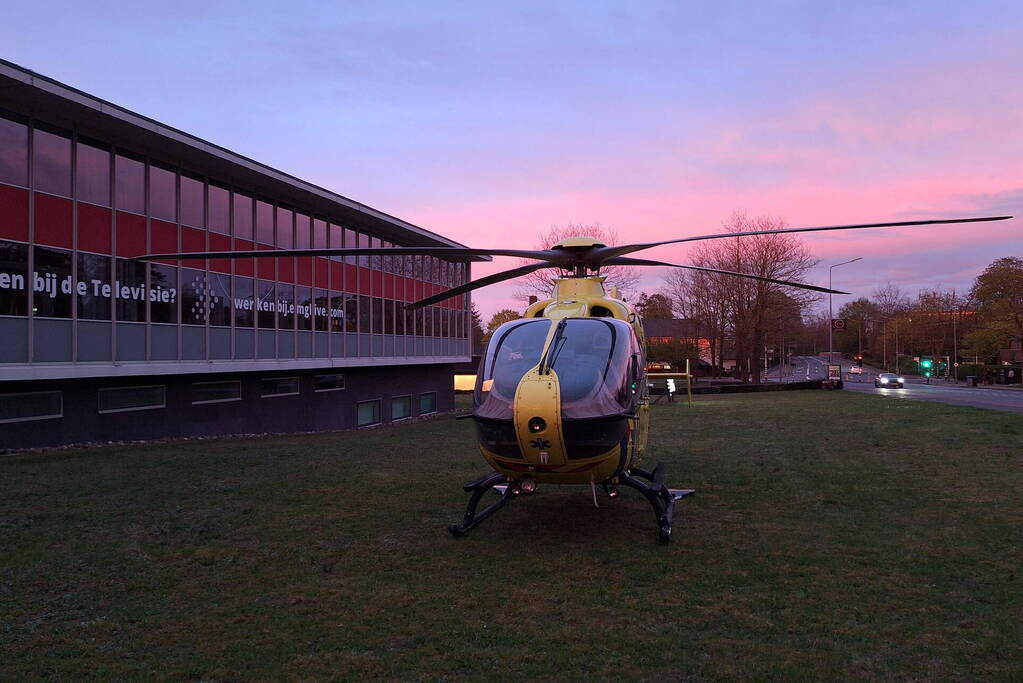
(832,535)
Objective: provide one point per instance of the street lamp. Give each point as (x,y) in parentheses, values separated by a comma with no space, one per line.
(831,316)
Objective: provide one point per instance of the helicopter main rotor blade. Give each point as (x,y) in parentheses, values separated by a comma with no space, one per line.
(626,261)
(604,253)
(476,284)
(444,252)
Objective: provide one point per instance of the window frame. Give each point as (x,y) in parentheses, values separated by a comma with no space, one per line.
(100,390)
(262,393)
(219,400)
(11,420)
(378,403)
(424,394)
(344,382)
(406,417)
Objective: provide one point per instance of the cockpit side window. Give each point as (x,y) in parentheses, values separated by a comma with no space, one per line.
(514,349)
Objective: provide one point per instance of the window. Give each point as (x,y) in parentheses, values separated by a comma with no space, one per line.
(428,403)
(218,294)
(131,293)
(130,183)
(242,217)
(192,201)
(13,278)
(368,413)
(285,307)
(93,288)
(334,382)
(285,228)
(194,297)
(264,223)
(321,306)
(35,405)
(92,172)
(319,234)
(163,293)
(51,160)
(278,386)
(302,231)
(336,237)
(123,399)
(163,201)
(244,306)
(304,308)
(401,407)
(219,212)
(351,242)
(53,267)
(13,150)
(216,392)
(265,304)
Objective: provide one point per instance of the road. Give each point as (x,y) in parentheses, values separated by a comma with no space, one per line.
(809,367)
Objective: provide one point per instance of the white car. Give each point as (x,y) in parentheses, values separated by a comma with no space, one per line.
(855,370)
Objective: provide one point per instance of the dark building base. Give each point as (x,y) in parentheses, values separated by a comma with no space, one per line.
(252,413)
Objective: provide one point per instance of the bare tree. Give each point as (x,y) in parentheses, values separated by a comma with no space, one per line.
(541,283)
(747,308)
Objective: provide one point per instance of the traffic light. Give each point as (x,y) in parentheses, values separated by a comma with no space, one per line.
(859,360)
(926,364)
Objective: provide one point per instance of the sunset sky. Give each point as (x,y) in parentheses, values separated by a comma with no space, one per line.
(489,122)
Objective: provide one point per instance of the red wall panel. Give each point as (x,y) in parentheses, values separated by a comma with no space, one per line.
(304,270)
(94,229)
(131,234)
(351,279)
(193,240)
(220,242)
(53,221)
(244,266)
(13,213)
(163,237)
(266,268)
(388,286)
(322,273)
(365,281)
(286,269)
(336,275)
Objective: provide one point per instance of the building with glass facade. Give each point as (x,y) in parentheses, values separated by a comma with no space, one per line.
(96,347)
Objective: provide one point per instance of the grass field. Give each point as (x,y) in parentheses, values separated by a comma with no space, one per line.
(832,536)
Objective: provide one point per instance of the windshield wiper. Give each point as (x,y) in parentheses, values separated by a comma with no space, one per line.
(556,345)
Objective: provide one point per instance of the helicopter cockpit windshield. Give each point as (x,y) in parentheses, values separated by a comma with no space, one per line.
(593,361)
(514,349)
(593,358)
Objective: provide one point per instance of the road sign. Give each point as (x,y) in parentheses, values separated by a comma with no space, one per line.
(838,324)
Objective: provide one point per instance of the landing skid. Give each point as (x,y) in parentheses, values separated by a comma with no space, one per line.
(479,487)
(660,497)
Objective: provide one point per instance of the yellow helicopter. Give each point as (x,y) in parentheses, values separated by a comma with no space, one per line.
(561,393)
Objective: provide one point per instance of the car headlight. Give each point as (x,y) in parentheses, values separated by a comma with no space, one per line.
(902,381)
(884,380)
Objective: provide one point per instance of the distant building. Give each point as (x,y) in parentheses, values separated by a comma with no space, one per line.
(678,331)
(95,347)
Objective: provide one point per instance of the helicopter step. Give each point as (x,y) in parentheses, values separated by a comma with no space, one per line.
(479,487)
(660,497)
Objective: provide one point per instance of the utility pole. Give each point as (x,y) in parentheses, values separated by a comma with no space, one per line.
(831,315)
(955,351)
